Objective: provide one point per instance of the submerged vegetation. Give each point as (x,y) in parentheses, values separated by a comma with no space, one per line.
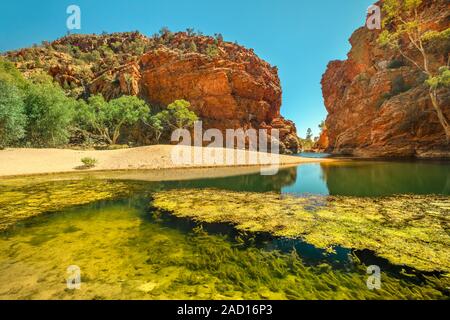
(184,240)
(20,202)
(127,252)
(406,230)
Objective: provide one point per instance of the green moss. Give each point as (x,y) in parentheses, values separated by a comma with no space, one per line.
(406,230)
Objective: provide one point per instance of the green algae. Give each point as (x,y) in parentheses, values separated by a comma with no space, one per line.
(112,230)
(127,253)
(406,230)
(20,200)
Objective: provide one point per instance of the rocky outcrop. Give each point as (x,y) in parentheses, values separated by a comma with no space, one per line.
(228,86)
(225,94)
(378,104)
(323,142)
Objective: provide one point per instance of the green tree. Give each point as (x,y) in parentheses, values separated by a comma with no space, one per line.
(309,134)
(156,123)
(50,114)
(12,117)
(10,74)
(403,27)
(178,115)
(106,119)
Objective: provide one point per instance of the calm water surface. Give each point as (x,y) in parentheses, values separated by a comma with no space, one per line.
(207,239)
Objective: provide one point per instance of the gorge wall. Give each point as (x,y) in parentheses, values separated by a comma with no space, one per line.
(377,102)
(228,86)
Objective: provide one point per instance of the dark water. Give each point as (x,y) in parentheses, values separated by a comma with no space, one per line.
(160,240)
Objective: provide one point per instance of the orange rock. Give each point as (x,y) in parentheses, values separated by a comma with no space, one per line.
(224,93)
(376,110)
(323,143)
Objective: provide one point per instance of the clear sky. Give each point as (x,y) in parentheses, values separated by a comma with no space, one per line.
(298,36)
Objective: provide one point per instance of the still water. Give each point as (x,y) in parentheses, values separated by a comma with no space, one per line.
(310,232)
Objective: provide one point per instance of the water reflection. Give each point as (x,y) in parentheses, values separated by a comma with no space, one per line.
(387,178)
(371,178)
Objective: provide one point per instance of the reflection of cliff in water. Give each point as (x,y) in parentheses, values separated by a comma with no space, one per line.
(369,178)
(254,182)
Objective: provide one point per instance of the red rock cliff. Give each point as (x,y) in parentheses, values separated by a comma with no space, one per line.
(228,86)
(378,104)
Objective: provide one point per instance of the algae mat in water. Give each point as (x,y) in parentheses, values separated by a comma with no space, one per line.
(21,200)
(406,230)
(126,253)
(126,249)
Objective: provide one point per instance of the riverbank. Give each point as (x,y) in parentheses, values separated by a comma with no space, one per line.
(26,161)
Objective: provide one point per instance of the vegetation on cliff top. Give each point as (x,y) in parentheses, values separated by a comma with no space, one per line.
(75,60)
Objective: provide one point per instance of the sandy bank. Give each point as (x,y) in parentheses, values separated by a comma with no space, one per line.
(14,162)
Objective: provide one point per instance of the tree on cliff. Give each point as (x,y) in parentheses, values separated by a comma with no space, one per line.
(403,28)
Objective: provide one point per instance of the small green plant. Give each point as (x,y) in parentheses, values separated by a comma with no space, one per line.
(89,162)
(212,51)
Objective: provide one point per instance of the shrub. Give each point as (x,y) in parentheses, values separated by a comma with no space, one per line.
(10,74)
(89,162)
(12,117)
(50,114)
(92,56)
(212,51)
(193,47)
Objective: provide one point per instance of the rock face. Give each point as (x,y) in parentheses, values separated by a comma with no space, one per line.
(225,94)
(378,103)
(323,143)
(228,86)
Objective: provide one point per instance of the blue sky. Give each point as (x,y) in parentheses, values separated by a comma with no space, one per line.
(298,36)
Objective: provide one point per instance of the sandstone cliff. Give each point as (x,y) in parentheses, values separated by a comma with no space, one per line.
(228,86)
(378,103)
(323,143)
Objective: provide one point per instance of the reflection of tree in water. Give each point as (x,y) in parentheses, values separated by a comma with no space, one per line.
(254,182)
(368,178)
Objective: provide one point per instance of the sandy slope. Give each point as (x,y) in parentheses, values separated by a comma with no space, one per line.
(38,161)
